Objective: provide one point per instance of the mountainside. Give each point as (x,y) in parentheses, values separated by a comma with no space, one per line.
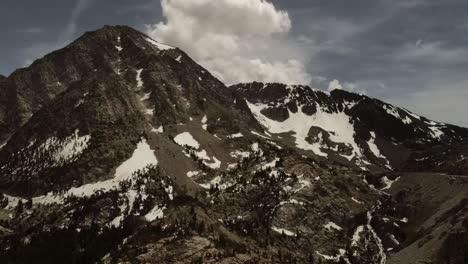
(118,148)
(360,129)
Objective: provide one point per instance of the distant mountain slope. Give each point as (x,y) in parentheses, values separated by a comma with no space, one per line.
(359,128)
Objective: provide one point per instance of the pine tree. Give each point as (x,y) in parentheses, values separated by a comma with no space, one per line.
(19,207)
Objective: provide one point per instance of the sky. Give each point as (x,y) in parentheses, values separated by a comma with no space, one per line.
(412,53)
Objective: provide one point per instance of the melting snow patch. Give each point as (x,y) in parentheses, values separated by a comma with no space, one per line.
(383,257)
(154,214)
(255,147)
(66,150)
(216,181)
(138,78)
(190,174)
(341,253)
(160,129)
(292,201)
(238,135)
(232,166)
(118,47)
(145,96)
(216,164)
(149,111)
(80,102)
(13,201)
(186,139)
(142,157)
(436,132)
(375,150)
(271,164)
(331,226)
(357,235)
(411,114)
(260,135)
(160,46)
(203,121)
(338,125)
(394,240)
(388,183)
(240,154)
(283,231)
(356,200)
(179,59)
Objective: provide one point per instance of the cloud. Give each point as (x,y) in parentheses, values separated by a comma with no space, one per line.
(238,40)
(349,86)
(32,30)
(37,50)
(447,105)
(71,26)
(433,53)
(334,85)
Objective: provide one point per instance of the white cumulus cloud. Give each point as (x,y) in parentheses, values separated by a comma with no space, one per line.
(237,40)
(334,85)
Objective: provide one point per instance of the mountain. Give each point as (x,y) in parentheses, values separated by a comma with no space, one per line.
(118,148)
(344,125)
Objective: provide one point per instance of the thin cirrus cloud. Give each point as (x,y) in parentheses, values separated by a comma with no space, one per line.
(31,30)
(237,40)
(37,50)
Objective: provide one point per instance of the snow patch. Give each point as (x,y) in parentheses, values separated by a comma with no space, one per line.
(160,129)
(336,258)
(375,150)
(145,96)
(283,231)
(330,225)
(149,111)
(142,157)
(138,78)
(160,46)
(154,214)
(356,200)
(338,125)
(238,135)
(186,139)
(191,174)
(204,121)
(436,132)
(391,110)
(388,183)
(118,47)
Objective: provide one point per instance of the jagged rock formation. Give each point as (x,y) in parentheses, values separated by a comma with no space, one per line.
(118,148)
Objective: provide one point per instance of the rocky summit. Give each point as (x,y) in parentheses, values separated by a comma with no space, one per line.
(121,149)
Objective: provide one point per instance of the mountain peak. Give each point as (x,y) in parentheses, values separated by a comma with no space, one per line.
(134,144)
(111,50)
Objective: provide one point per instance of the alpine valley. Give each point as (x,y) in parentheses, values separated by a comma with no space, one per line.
(120,149)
